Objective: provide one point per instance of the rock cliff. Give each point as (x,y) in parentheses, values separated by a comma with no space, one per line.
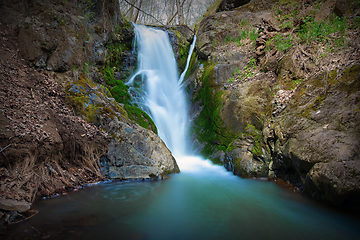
(276,95)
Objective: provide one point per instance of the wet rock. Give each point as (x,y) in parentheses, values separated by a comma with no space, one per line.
(13,205)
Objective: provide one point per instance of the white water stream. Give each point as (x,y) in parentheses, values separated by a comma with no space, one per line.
(162,94)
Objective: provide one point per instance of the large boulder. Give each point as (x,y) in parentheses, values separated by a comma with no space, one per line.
(137,153)
(13,205)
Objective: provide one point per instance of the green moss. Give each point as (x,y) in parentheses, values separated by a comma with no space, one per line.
(90,113)
(192,65)
(299,93)
(332,78)
(184,47)
(251,131)
(350,81)
(120,93)
(209,127)
(141,117)
(79,102)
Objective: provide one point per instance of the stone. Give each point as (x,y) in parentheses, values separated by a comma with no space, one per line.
(247,156)
(13,205)
(58,39)
(215,28)
(134,152)
(137,153)
(315,140)
(246,105)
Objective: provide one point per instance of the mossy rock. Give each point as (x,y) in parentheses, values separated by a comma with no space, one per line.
(208,126)
(289,72)
(140,117)
(91,100)
(246,105)
(248,156)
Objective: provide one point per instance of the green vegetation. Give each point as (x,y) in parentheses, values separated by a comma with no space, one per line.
(280,42)
(209,126)
(246,33)
(81,94)
(247,71)
(184,48)
(88,15)
(141,117)
(312,31)
(116,85)
(256,135)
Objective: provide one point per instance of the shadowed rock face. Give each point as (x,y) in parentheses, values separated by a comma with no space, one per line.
(318,137)
(215,28)
(229,5)
(62,35)
(138,153)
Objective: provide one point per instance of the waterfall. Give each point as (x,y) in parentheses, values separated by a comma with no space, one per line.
(158,90)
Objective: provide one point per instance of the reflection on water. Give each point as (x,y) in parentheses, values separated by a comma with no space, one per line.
(215,205)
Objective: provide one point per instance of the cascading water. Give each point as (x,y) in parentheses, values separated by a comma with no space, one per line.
(204,201)
(159,91)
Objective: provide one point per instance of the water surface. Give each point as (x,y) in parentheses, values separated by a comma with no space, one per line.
(218,205)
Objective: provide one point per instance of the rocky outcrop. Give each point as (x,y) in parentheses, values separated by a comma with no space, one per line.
(137,153)
(134,152)
(315,140)
(214,29)
(247,156)
(45,148)
(297,118)
(63,35)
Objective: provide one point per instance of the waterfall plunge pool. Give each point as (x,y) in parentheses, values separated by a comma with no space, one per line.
(212,204)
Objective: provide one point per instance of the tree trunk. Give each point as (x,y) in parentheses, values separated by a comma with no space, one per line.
(180,12)
(137,12)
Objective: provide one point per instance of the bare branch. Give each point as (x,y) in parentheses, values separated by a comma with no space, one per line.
(143,12)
